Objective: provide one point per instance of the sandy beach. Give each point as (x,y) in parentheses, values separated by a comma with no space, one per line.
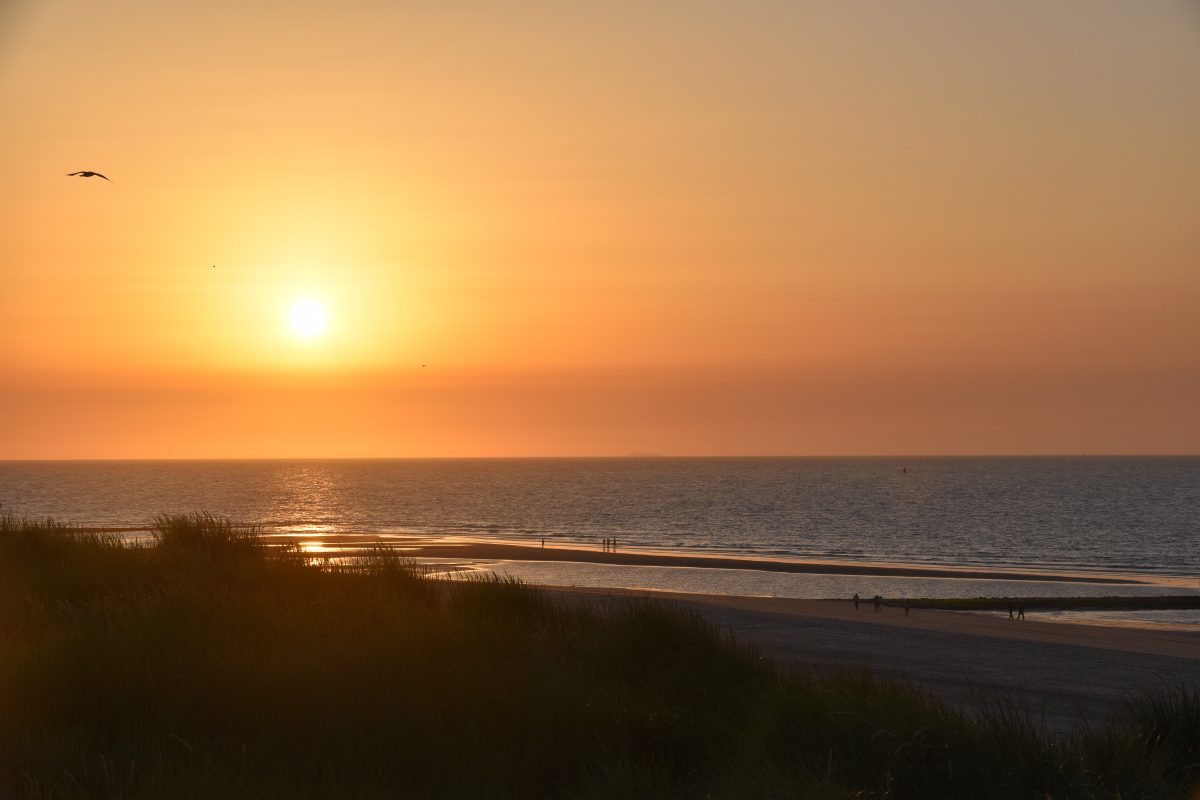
(1065,673)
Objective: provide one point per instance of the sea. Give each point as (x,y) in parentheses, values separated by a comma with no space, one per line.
(1136,516)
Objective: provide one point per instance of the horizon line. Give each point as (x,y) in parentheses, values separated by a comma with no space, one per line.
(624,457)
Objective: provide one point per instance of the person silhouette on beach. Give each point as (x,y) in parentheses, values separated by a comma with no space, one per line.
(878,601)
(1020,611)
(1010,609)
(856,601)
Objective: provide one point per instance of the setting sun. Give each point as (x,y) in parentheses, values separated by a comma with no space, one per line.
(307,318)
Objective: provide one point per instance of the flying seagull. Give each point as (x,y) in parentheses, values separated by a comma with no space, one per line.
(87,173)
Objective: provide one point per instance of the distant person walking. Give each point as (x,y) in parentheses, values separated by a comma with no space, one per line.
(878,601)
(614,544)
(1020,611)
(856,601)
(1011,608)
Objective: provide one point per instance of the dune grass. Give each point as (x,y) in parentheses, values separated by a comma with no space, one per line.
(202,532)
(213,666)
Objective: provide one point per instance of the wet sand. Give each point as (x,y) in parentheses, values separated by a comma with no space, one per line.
(519,552)
(1067,674)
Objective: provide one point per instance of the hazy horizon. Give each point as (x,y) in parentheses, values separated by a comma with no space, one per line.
(643,456)
(550,230)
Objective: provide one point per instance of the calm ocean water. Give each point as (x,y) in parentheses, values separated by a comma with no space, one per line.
(1126,514)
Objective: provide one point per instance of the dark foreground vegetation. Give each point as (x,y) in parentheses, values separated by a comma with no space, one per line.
(210,666)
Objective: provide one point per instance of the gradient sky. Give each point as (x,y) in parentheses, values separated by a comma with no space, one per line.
(552,228)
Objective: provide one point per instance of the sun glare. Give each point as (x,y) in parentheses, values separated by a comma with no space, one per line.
(307,318)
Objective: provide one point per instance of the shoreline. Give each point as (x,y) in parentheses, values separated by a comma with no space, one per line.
(343,545)
(507,551)
(456,546)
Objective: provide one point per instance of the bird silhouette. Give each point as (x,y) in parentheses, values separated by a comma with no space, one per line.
(87,173)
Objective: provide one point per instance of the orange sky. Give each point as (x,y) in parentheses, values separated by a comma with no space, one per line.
(687,228)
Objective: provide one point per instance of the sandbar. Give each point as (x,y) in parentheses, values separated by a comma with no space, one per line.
(520,552)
